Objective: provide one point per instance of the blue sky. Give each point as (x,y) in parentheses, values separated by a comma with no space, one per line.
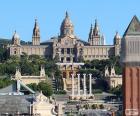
(112,16)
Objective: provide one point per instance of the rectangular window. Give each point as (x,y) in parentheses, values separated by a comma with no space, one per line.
(62,59)
(62,51)
(68,50)
(68,59)
(15,52)
(74,59)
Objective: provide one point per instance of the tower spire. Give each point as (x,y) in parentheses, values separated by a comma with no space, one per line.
(90,33)
(36,24)
(96,23)
(67,15)
(117,39)
(96,28)
(36,34)
(94,35)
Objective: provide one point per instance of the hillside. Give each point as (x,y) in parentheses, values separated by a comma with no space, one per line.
(5,41)
(8,41)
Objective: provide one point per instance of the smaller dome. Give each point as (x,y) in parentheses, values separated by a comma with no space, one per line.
(16,39)
(15,36)
(117,35)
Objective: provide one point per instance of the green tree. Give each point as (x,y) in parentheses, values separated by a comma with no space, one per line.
(93,106)
(45,87)
(59,80)
(4,82)
(33,86)
(86,106)
(104,86)
(56,58)
(117,90)
(101,106)
(3,54)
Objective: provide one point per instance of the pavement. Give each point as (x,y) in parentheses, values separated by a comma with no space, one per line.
(98,112)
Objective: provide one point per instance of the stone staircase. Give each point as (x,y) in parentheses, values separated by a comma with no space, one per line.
(61,98)
(53,81)
(68,83)
(70,108)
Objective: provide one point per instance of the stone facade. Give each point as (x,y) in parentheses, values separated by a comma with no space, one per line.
(29,105)
(35,49)
(113,79)
(67,47)
(67,69)
(42,106)
(30,79)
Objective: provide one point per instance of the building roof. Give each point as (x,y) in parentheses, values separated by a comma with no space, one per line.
(8,89)
(84,42)
(13,89)
(15,103)
(134,27)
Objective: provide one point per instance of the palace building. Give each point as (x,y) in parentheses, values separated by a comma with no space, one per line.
(67,47)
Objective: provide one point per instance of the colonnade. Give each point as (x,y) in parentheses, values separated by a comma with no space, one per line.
(78,94)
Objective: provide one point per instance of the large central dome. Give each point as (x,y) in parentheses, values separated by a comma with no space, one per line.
(66,22)
(67,27)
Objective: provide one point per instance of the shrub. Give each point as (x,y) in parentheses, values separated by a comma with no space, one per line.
(93,106)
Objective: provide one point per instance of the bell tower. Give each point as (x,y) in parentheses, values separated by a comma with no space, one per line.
(117,44)
(130,58)
(36,34)
(94,35)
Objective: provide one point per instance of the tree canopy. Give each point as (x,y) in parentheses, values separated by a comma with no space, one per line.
(97,68)
(44,86)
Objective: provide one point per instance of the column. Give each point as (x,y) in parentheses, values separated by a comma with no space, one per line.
(72,84)
(71,50)
(78,84)
(90,84)
(18,86)
(65,50)
(71,58)
(67,72)
(64,59)
(84,84)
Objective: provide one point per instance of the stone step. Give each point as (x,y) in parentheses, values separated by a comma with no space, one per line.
(53,82)
(61,97)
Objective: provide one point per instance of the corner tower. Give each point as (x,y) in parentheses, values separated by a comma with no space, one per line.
(94,35)
(36,34)
(16,39)
(117,44)
(130,58)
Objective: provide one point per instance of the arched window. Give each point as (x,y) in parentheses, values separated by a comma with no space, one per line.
(15,51)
